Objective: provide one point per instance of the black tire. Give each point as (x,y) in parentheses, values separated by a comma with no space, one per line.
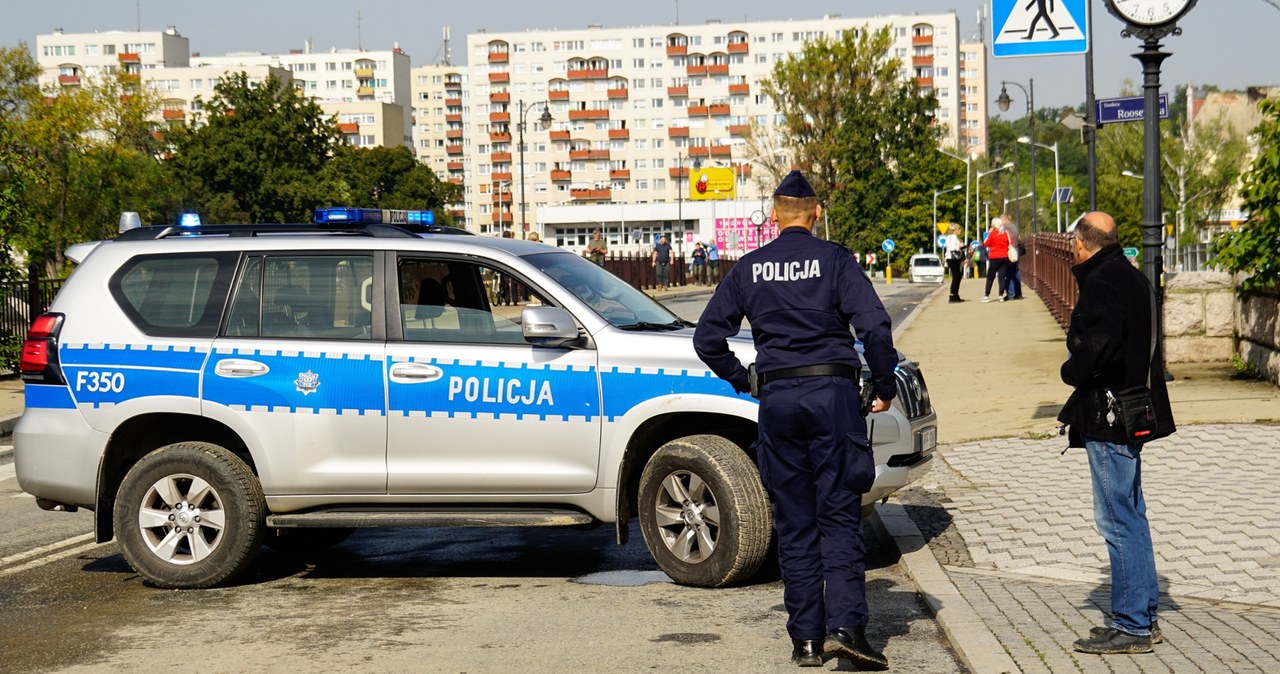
(203,488)
(703,512)
(305,542)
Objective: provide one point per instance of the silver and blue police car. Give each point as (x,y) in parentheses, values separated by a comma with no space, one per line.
(207,389)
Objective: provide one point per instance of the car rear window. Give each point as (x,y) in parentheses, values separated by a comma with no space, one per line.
(926,262)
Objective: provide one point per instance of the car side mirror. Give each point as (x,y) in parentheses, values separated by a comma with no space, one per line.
(548,326)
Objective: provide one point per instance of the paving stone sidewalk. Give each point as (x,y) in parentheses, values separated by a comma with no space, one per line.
(1011,521)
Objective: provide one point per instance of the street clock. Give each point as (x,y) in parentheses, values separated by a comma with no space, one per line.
(1150,13)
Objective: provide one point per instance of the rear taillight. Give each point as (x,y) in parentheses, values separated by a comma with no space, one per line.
(39,363)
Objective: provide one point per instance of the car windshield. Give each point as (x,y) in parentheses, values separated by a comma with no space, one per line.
(616,301)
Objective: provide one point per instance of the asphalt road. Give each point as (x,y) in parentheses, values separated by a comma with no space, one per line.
(422,600)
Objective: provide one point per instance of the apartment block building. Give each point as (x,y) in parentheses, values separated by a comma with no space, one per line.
(972,124)
(439,102)
(633,108)
(67,59)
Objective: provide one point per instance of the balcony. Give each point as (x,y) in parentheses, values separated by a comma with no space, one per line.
(579,154)
(575,115)
(678,132)
(739,88)
(924,81)
(559,135)
(453,83)
(619,134)
(500,157)
(696,71)
(699,151)
(718,110)
(453,134)
(620,174)
(562,95)
(677,50)
(453,119)
(455,166)
(457,213)
(591,195)
(679,172)
(499,56)
(589,74)
(678,92)
(129,57)
(173,114)
(499,77)
(922,61)
(504,218)
(352,128)
(69,80)
(453,149)
(718,69)
(363,73)
(619,93)
(561,176)
(500,177)
(500,97)
(697,110)
(453,102)
(739,129)
(739,48)
(721,150)
(364,90)
(456,181)
(499,118)
(921,39)
(499,138)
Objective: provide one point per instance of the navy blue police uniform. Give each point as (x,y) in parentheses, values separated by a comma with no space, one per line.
(801,294)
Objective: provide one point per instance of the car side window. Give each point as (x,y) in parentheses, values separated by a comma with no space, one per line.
(461,301)
(175,295)
(303,296)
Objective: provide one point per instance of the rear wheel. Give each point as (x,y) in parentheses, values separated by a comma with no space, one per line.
(703,511)
(190,515)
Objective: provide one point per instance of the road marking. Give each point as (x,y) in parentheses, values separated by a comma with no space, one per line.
(51,558)
(36,552)
(7,471)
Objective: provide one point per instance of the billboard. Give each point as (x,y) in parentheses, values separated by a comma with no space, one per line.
(712,183)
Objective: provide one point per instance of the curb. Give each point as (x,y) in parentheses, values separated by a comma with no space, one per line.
(7,424)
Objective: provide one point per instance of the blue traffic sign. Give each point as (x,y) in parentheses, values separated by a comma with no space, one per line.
(942,241)
(1128,109)
(1039,27)
(888,245)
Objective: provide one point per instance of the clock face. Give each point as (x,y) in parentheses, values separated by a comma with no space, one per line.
(1150,12)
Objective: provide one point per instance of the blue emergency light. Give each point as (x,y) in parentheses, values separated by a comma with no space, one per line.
(348,214)
(421,217)
(189,220)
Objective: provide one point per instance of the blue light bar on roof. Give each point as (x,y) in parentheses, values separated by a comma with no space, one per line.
(336,214)
(421,217)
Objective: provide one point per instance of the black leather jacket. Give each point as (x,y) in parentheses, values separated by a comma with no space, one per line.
(1110,348)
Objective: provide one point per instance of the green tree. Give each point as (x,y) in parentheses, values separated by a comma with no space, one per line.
(20,174)
(255,154)
(387,177)
(1255,248)
(865,136)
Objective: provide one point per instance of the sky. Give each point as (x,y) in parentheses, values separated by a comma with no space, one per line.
(1229,43)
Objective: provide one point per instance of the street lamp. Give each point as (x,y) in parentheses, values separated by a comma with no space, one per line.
(968,165)
(1015,199)
(1130,174)
(934,234)
(978,180)
(1003,102)
(545,122)
(1057,180)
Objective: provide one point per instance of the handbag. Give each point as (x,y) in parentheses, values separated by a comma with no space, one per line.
(1132,407)
(1013,251)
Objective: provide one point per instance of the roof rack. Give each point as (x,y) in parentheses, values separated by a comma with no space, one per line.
(345,229)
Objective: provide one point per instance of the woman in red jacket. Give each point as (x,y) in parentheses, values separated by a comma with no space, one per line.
(997,244)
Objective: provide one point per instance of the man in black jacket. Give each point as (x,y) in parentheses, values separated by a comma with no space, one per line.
(1112,348)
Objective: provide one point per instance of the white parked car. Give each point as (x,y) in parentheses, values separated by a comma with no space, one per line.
(925,268)
(205,390)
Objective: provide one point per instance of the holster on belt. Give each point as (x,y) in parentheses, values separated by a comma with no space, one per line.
(753,380)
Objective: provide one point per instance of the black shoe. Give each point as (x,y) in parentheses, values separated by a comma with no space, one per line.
(850,643)
(1157,637)
(806,652)
(1112,641)
(954,299)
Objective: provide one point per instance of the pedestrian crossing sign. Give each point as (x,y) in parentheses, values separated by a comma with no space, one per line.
(1039,27)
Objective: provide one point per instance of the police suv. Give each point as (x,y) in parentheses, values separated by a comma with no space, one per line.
(207,389)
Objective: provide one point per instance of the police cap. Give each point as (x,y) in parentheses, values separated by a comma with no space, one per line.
(795,185)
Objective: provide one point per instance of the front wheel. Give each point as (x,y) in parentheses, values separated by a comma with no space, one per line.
(190,515)
(703,512)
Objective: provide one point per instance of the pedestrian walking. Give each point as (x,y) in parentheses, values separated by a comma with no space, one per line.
(800,295)
(1114,355)
(956,252)
(597,248)
(997,245)
(662,262)
(699,256)
(1013,271)
(713,262)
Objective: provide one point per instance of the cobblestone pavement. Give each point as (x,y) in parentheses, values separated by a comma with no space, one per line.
(1011,521)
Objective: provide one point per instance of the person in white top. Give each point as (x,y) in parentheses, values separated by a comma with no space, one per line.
(956,254)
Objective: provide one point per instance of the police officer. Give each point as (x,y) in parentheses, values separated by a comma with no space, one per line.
(800,295)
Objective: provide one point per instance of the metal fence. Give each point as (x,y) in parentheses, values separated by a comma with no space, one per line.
(637,269)
(22,301)
(1047,270)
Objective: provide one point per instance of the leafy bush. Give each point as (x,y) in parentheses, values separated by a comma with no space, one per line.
(1255,248)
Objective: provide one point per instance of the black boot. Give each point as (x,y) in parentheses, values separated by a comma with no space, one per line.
(851,644)
(1114,642)
(806,652)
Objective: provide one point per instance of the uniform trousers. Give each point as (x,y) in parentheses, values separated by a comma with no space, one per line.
(815,463)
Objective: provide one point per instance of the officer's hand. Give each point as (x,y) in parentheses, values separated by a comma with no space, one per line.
(879,405)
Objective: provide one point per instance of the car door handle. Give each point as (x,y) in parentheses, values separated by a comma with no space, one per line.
(233,367)
(415,373)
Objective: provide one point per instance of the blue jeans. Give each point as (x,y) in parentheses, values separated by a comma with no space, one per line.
(1121,516)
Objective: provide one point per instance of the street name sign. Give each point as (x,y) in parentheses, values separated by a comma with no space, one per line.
(1127,109)
(1039,27)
